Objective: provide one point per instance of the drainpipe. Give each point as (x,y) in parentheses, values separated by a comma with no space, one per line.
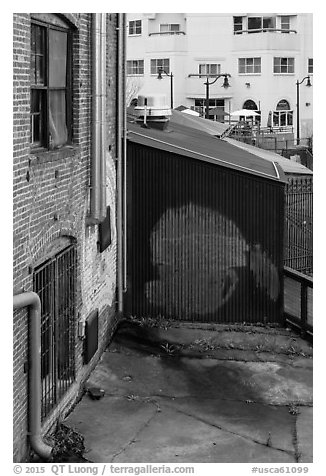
(32,300)
(95,198)
(124,25)
(103,128)
(120,163)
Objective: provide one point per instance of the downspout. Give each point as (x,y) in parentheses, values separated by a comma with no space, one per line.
(95,195)
(120,171)
(124,25)
(32,300)
(103,125)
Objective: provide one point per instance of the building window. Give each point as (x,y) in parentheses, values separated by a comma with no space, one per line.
(50,75)
(250,105)
(216,106)
(55,283)
(283,116)
(310,65)
(160,63)
(285,24)
(283,65)
(135,67)
(258,24)
(249,65)
(211,68)
(171,28)
(237,25)
(135,27)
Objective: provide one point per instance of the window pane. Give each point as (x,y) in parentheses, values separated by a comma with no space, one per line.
(254,23)
(57,58)
(37,72)
(37,117)
(164,28)
(57,119)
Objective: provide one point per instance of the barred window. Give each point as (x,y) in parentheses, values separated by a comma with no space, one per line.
(135,67)
(249,65)
(283,65)
(50,75)
(135,27)
(160,63)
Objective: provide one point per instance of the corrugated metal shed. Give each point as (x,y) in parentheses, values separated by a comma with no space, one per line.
(196,144)
(205,226)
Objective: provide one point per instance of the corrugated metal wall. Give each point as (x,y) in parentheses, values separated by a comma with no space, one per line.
(205,243)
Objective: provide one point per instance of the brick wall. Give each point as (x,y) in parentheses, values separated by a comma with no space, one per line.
(51,200)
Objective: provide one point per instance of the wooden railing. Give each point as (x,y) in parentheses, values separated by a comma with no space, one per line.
(298,297)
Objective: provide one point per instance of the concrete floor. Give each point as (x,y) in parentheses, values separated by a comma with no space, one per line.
(200,394)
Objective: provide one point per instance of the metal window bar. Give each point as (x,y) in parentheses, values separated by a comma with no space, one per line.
(54,281)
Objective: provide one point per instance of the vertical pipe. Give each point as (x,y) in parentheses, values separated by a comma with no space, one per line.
(103,129)
(32,300)
(124,130)
(120,214)
(95,159)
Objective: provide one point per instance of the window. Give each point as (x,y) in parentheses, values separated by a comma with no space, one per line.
(249,65)
(283,116)
(285,24)
(211,68)
(310,65)
(135,67)
(169,28)
(135,27)
(283,65)
(258,24)
(50,75)
(216,104)
(237,25)
(250,105)
(159,63)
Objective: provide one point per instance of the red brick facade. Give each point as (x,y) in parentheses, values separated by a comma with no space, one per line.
(51,203)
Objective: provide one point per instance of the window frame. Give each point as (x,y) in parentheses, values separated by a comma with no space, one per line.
(237,24)
(157,66)
(131,31)
(263,27)
(280,65)
(310,66)
(45,143)
(135,66)
(285,20)
(169,29)
(286,113)
(246,65)
(208,67)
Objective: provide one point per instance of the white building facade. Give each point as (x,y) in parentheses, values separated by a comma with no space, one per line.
(264,54)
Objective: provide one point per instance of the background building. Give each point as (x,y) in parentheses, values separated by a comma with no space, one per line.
(265,54)
(65,134)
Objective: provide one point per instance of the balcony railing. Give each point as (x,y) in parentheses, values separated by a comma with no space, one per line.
(159,33)
(263,30)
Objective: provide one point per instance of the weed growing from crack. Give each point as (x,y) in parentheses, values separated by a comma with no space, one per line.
(168,348)
(269,439)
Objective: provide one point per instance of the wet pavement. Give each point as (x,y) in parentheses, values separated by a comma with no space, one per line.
(199,394)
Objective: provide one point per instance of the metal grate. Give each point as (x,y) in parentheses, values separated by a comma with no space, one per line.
(298,225)
(54,282)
